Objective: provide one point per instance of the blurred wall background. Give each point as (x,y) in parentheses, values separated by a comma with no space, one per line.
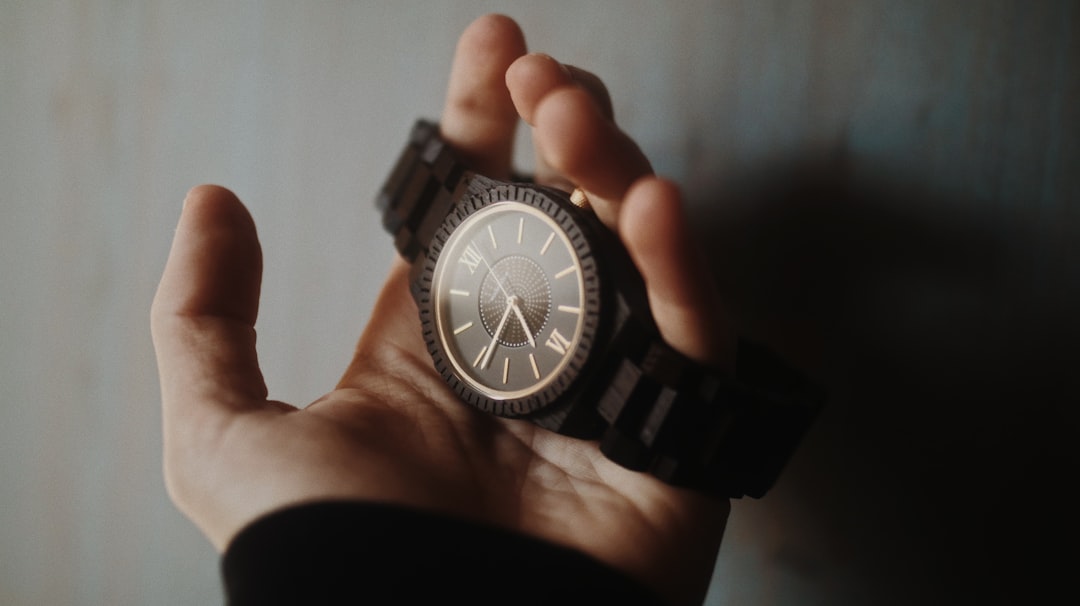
(891,193)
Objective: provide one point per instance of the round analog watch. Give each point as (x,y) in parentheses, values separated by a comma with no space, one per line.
(509,303)
(531,308)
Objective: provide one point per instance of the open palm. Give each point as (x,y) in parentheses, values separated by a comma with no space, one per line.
(392,431)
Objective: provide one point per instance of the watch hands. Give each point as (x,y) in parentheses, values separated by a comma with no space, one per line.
(498,331)
(496,276)
(521,318)
(511,304)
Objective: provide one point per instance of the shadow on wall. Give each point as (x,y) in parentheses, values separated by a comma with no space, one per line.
(944,467)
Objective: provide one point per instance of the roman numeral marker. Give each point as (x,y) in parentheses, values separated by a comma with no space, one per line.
(558,342)
(470,257)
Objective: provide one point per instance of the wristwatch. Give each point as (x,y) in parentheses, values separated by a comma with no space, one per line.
(532,309)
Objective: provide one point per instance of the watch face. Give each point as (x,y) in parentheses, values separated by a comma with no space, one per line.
(514,302)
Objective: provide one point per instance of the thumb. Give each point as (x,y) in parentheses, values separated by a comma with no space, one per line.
(203,315)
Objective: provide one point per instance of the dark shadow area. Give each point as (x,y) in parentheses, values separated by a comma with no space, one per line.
(944,468)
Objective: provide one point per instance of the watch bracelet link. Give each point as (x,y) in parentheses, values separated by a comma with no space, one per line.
(421,190)
(665,414)
(694,427)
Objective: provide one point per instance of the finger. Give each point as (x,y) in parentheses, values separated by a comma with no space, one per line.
(203,314)
(595,86)
(533,77)
(479,118)
(684,297)
(578,141)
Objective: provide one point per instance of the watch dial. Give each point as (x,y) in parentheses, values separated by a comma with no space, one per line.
(514,303)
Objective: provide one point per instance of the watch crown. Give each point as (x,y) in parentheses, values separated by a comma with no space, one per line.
(579,199)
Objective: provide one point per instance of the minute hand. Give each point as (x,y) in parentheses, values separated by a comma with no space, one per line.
(524,324)
(495,339)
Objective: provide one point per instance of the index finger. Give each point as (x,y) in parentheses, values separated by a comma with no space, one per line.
(479,118)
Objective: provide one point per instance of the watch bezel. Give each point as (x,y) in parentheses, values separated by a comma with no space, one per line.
(576,226)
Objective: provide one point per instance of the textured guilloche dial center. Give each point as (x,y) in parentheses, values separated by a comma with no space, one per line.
(519,283)
(509,296)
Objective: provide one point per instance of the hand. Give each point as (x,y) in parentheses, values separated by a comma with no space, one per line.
(391,430)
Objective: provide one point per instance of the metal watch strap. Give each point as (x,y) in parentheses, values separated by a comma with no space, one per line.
(665,414)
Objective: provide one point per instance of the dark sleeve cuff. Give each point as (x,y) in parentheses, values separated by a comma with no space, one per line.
(368,553)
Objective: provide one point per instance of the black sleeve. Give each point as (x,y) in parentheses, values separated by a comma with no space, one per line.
(368,553)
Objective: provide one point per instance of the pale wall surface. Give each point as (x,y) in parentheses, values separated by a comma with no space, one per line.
(926,271)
